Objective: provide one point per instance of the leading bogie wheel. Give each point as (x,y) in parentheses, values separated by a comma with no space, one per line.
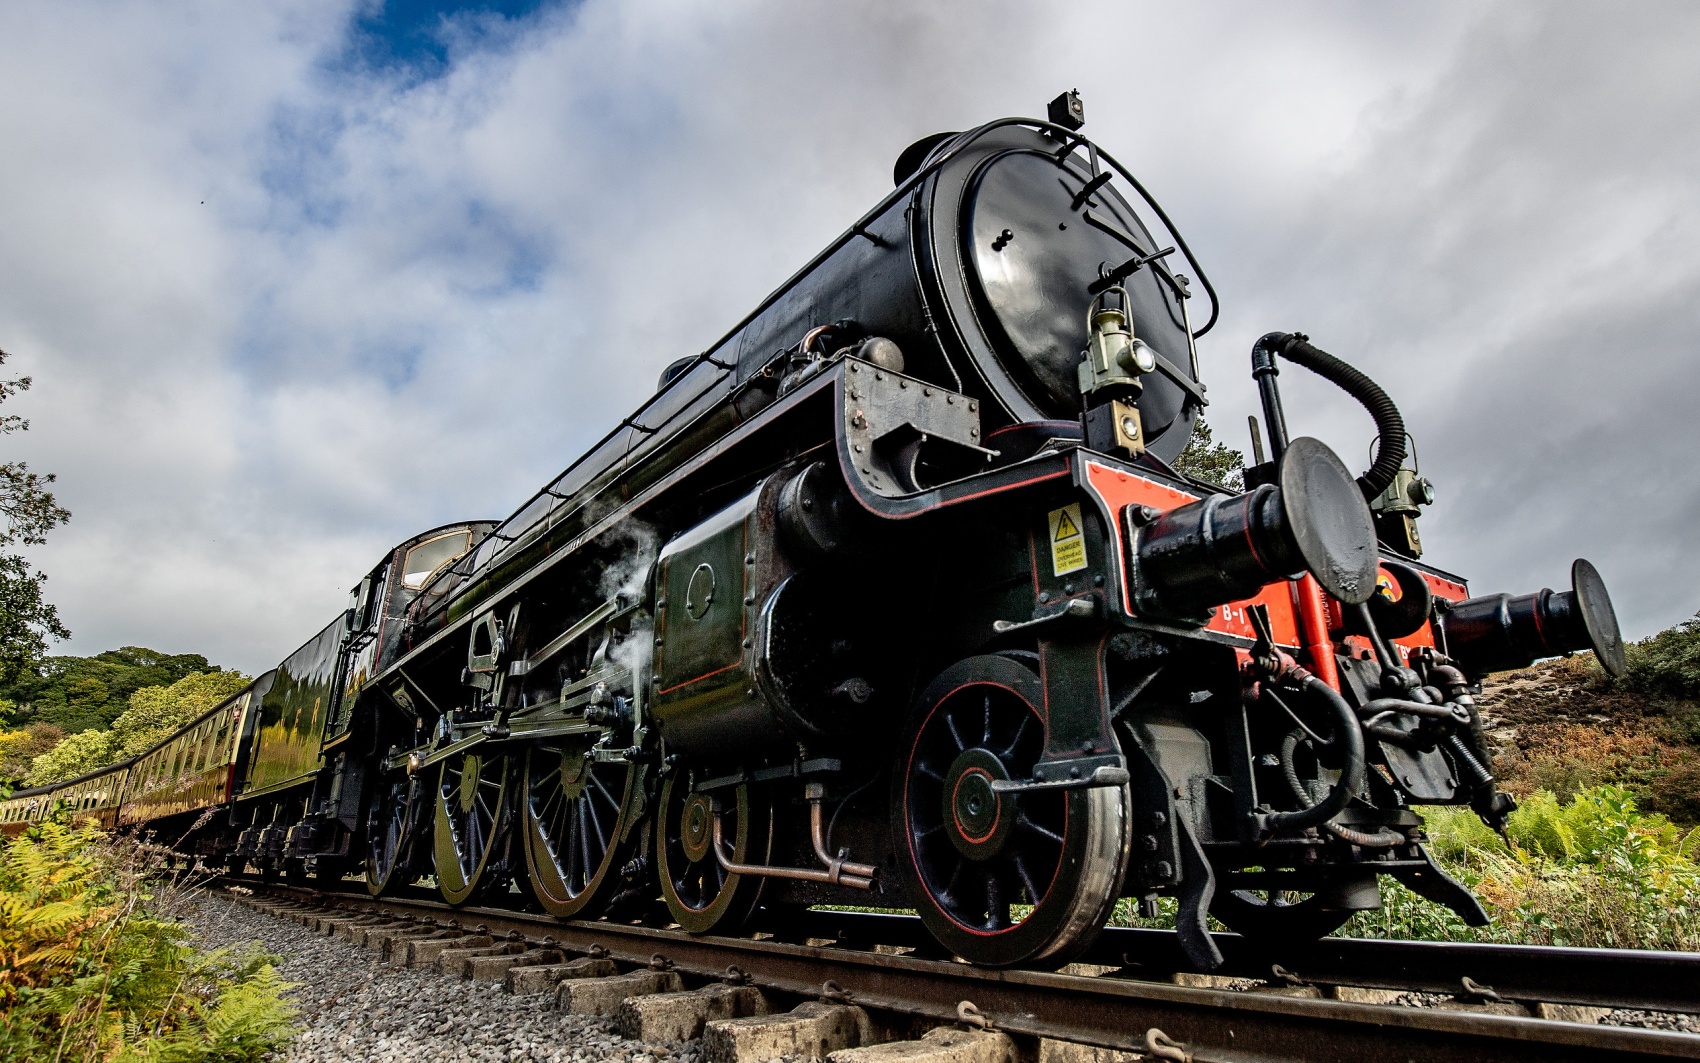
(574,814)
(1288,918)
(472,793)
(389,830)
(701,895)
(1000,879)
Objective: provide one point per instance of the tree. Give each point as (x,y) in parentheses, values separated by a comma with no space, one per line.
(77,755)
(155,712)
(18,750)
(1216,463)
(27,513)
(77,693)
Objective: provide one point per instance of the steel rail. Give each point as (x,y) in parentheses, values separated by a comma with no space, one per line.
(1217,1026)
(1610,978)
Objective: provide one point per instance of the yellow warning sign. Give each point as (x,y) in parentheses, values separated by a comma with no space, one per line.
(1068,542)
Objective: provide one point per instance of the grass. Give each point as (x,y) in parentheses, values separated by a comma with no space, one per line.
(93,968)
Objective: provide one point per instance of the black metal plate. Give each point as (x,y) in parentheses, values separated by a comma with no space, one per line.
(1598,616)
(1329,520)
(1035,281)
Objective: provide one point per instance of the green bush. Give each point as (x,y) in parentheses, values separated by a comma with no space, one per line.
(1592,872)
(91,970)
(1666,664)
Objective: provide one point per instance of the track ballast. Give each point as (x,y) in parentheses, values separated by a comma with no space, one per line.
(883,964)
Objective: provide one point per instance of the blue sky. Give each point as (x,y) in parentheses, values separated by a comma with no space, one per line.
(297,279)
(416,35)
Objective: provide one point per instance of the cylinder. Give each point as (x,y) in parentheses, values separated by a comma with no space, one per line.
(1496,632)
(1224,549)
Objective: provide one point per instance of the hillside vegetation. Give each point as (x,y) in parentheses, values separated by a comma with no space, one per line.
(77,693)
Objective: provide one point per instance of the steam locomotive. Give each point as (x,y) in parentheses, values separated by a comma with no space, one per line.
(894,596)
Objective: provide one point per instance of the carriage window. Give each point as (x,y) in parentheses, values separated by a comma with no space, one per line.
(429,556)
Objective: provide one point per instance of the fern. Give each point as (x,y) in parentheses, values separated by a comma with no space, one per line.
(90,971)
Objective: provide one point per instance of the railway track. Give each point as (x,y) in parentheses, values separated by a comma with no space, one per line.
(1327,1004)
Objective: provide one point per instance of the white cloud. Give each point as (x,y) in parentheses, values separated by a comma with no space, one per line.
(409,301)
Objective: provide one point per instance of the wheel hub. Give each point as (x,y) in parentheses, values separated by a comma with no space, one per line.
(976,817)
(696,827)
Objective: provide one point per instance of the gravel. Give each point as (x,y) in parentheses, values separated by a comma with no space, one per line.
(356,1007)
(1653,1020)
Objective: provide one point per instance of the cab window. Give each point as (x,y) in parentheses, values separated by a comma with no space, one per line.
(425,559)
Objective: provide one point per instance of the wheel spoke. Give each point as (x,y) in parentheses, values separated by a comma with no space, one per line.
(589,864)
(1027,824)
(1020,733)
(1026,878)
(950,724)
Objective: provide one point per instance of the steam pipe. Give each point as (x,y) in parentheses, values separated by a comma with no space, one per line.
(1381,838)
(1349,737)
(835,865)
(1389,425)
(1264,371)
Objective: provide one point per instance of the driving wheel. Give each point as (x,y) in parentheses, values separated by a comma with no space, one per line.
(1001,878)
(574,812)
(471,792)
(702,895)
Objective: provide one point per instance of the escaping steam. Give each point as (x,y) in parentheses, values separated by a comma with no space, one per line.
(633,546)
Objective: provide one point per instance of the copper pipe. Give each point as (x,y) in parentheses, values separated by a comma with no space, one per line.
(838,872)
(835,865)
